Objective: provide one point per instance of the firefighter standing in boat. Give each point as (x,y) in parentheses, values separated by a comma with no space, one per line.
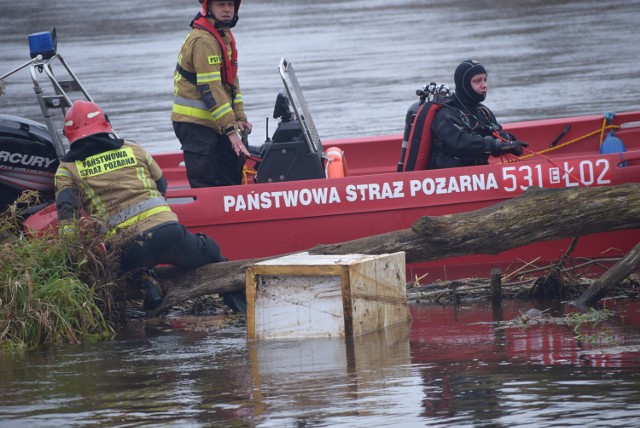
(464,131)
(119,183)
(208,109)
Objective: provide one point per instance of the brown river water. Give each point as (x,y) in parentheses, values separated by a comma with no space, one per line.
(359,63)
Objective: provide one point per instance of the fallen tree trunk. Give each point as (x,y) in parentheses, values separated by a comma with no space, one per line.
(536,215)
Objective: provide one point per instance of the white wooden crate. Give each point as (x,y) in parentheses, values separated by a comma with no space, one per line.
(304,295)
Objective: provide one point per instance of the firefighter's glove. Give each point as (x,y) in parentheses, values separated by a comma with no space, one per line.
(498,147)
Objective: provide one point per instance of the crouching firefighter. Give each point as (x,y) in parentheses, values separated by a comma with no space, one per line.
(118,183)
(458,131)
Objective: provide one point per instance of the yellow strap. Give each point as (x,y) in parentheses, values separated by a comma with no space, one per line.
(575,140)
(604,124)
(246,172)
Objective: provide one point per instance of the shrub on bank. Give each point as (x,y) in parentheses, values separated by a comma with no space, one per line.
(52,291)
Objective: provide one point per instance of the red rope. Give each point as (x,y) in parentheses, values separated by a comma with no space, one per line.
(511,158)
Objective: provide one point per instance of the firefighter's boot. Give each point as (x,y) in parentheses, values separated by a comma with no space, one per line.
(151,290)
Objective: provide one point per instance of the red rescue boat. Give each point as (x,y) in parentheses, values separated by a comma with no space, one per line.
(287,203)
(266,219)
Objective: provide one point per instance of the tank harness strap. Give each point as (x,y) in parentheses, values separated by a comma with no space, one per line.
(188,76)
(419,149)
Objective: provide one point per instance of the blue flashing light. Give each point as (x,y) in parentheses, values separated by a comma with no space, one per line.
(43,44)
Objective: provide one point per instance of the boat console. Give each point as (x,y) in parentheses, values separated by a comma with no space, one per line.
(295,150)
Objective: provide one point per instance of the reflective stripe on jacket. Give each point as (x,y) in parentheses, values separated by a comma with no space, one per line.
(200,95)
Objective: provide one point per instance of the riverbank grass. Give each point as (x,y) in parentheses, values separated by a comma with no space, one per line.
(51,292)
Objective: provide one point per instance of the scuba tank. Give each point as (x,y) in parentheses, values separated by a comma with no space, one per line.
(408,124)
(432,94)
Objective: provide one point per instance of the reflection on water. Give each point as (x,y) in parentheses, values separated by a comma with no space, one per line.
(541,375)
(451,367)
(372,373)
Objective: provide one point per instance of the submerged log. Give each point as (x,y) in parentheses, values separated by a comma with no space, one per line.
(536,215)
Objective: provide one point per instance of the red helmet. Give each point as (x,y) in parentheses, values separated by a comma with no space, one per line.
(205,7)
(83,119)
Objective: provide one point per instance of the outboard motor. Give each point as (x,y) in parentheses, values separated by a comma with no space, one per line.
(28,160)
(29,151)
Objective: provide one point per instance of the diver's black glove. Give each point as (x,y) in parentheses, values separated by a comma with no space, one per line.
(498,147)
(516,147)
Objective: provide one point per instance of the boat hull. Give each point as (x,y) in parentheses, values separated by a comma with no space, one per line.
(260,220)
(269,219)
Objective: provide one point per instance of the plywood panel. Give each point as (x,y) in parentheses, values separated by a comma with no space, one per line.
(303,295)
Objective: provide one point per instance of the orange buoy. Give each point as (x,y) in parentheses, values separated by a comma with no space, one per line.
(335,164)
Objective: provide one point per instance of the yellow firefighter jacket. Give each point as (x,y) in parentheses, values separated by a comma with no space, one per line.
(210,102)
(119,188)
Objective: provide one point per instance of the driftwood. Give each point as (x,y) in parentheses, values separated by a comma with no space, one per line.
(536,215)
(547,286)
(621,270)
